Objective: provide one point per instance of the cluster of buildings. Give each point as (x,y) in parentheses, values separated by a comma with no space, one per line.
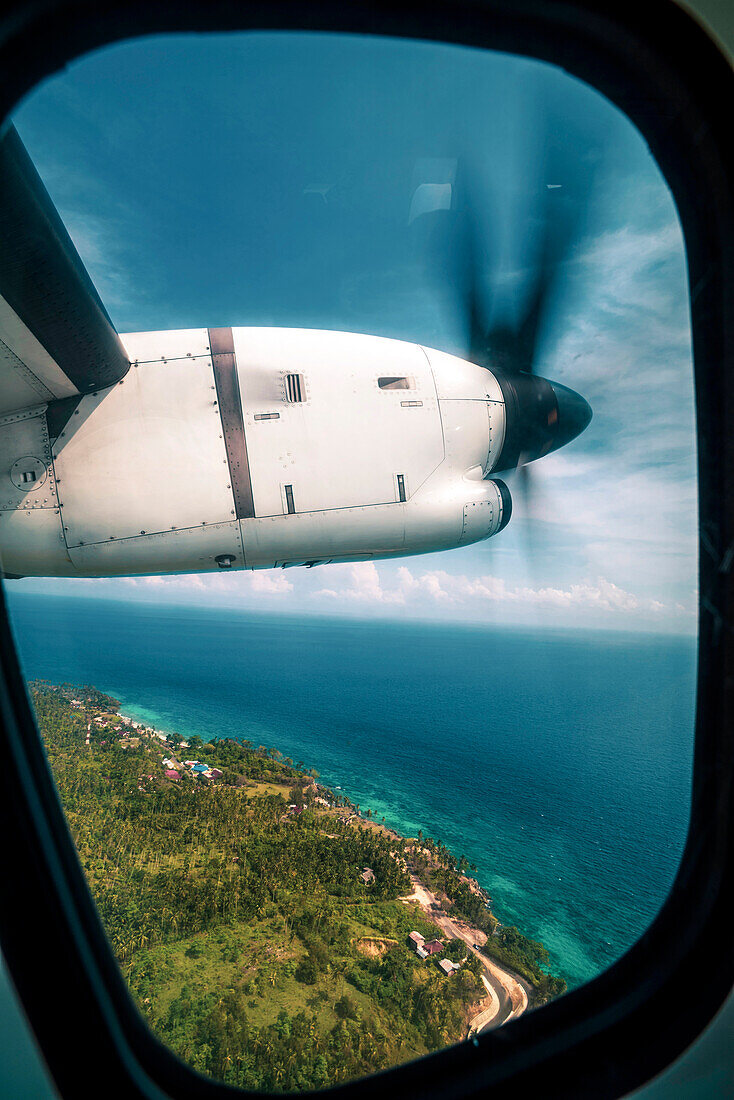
(425,948)
(173,769)
(119,722)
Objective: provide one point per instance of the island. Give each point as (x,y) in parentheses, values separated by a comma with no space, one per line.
(273,934)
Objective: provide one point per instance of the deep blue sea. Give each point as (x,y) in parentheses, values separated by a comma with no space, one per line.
(557,761)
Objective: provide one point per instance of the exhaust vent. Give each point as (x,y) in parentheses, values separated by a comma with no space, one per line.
(295,388)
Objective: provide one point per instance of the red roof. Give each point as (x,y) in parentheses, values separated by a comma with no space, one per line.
(170,774)
(433,947)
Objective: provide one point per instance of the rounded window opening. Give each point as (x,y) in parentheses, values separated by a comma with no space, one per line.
(335,820)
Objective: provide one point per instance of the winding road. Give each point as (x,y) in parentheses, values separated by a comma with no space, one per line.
(508,994)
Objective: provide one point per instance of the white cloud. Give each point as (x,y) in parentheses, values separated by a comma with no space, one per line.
(98,240)
(237,584)
(364,584)
(269,583)
(184,581)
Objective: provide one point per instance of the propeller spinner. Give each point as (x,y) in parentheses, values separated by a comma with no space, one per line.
(540,417)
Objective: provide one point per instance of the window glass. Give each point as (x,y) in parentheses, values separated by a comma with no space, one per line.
(334,820)
(395,383)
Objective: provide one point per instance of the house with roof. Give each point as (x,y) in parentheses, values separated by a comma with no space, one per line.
(417,942)
(368,876)
(170,773)
(433,947)
(448,966)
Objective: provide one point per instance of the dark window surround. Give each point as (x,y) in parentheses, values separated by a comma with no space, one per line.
(602,1040)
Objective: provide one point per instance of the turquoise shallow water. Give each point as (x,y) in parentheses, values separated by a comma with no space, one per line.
(559,762)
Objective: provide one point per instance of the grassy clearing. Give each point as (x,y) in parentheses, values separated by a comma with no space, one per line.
(260,788)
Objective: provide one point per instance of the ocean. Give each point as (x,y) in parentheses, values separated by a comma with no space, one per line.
(557,761)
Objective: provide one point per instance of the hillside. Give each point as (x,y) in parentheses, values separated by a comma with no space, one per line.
(233,897)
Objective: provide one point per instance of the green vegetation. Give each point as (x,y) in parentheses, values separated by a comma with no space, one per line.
(246,934)
(438,870)
(456,950)
(528,958)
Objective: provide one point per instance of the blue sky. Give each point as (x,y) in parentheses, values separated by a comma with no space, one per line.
(268,179)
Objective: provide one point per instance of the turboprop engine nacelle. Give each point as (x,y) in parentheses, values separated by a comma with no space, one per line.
(254,448)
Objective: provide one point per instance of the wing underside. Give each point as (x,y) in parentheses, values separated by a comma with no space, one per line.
(56,339)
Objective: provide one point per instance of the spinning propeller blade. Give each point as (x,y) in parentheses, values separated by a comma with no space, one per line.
(541,415)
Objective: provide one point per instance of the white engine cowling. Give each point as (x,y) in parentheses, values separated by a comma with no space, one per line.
(252,448)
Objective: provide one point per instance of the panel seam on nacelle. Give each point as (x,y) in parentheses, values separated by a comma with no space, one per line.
(170,359)
(57,482)
(224,365)
(429,475)
(24,414)
(41,390)
(345,507)
(118,540)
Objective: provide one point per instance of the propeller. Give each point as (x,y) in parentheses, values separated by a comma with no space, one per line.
(504,323)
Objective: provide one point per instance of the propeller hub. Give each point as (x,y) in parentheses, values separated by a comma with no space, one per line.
(540,417)
(574,414)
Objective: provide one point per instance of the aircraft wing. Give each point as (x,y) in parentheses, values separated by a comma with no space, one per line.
(56,339)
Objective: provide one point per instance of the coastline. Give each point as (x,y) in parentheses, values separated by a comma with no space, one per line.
(507,993)
(201,680)
(505,979)
(508,990)
(139,723)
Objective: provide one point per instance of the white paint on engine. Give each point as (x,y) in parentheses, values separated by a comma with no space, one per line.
(358,447)
(344,444)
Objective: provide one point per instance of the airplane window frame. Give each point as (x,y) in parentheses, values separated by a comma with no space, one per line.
(617,1031)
